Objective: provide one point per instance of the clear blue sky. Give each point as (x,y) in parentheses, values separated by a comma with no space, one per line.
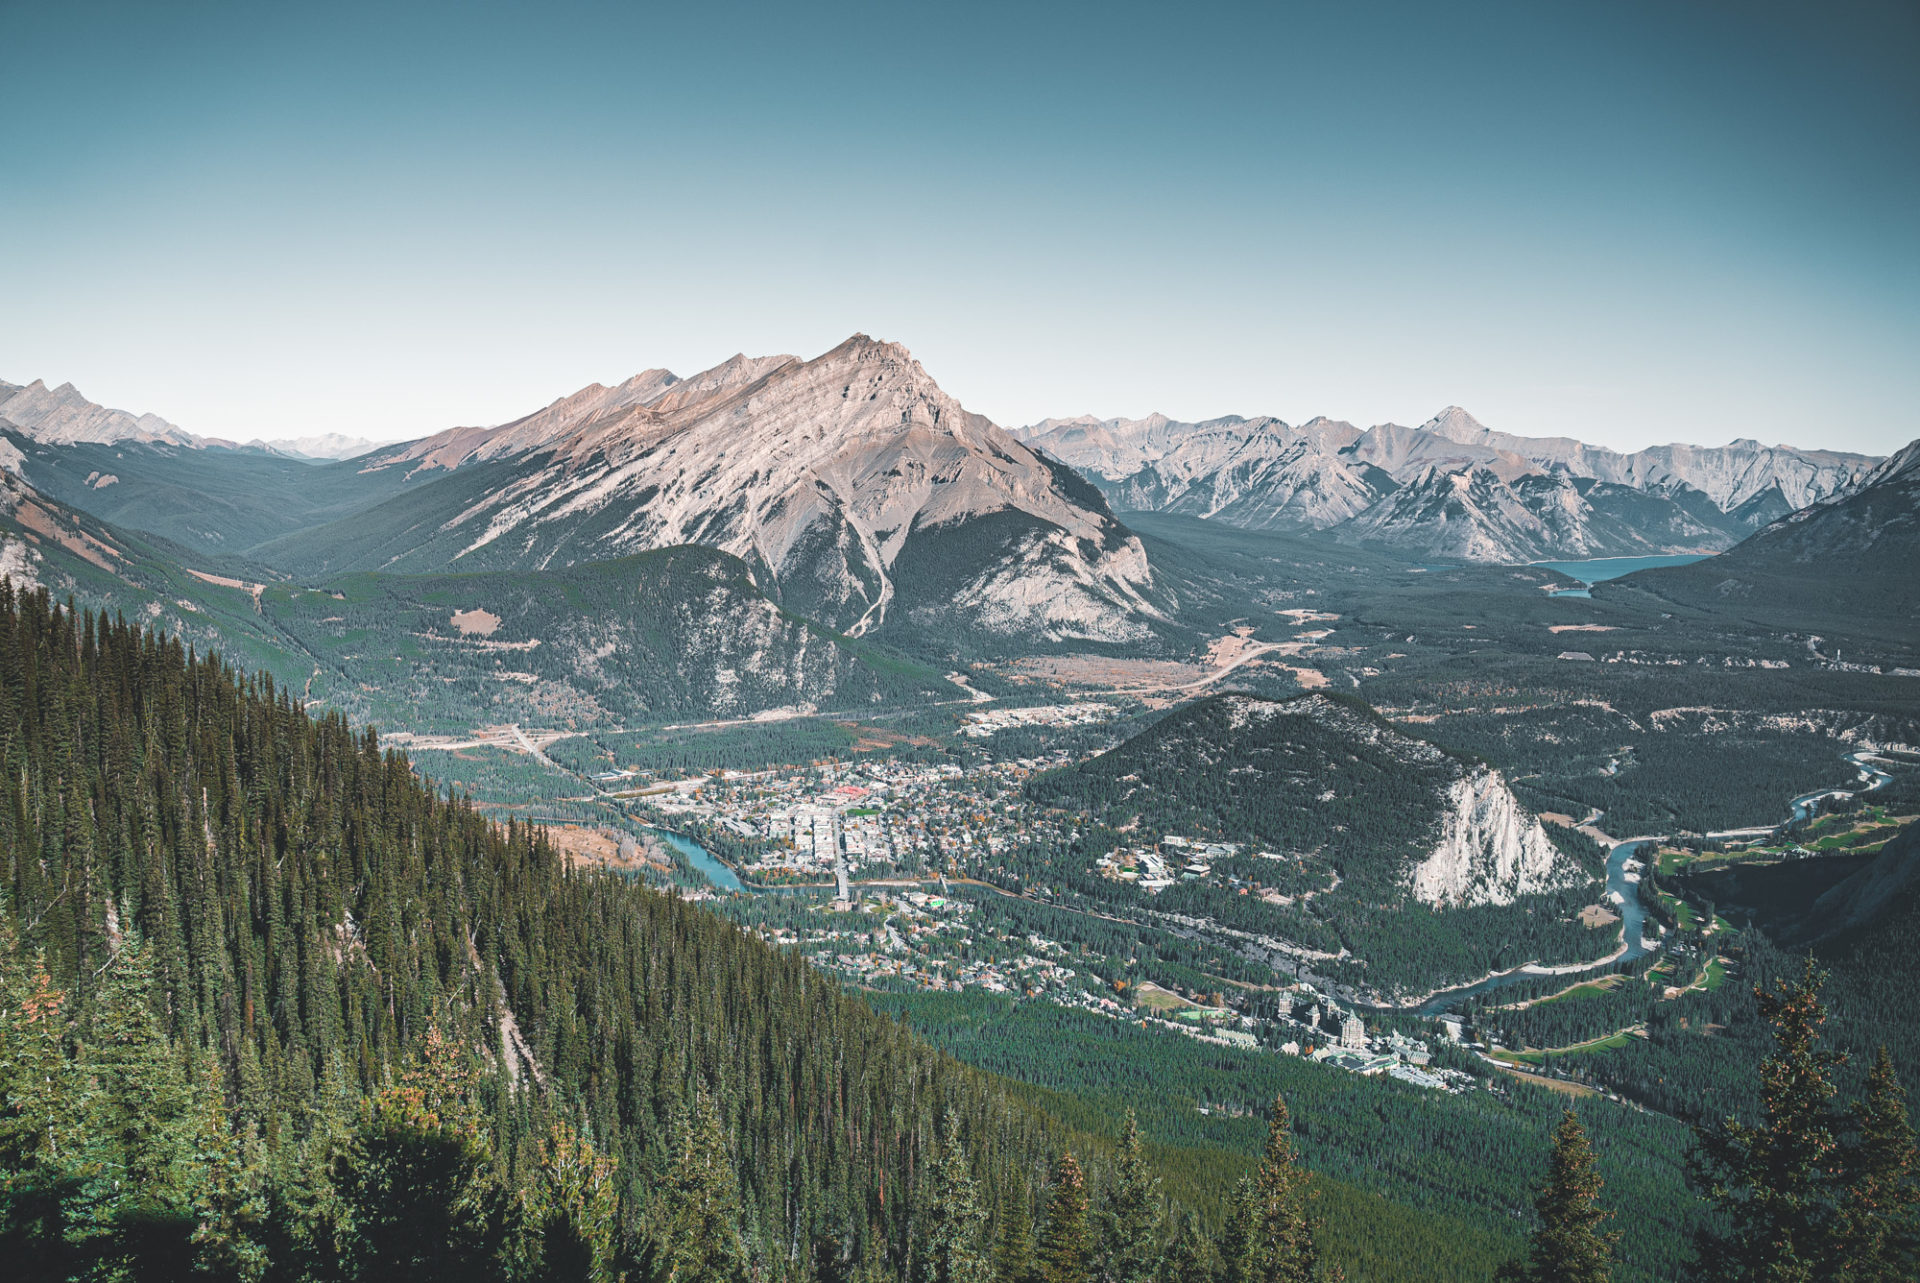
(1627,222)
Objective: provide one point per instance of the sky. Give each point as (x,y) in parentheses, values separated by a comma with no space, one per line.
(1626,222)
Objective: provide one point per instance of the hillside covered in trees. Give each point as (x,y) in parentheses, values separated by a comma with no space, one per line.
(272,1008)
(1342,820)
(232,926)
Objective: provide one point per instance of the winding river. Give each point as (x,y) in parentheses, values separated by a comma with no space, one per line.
(716,871)
(1623,892)
(1623,889)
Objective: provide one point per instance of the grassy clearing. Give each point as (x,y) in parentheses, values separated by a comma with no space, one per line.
(1151,997)
(1586,989)
(1716,974)
(1575,1090)
(1537,1056)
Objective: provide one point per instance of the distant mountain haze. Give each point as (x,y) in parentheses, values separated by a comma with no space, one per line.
(328,445)
(824,487)
(1451,487)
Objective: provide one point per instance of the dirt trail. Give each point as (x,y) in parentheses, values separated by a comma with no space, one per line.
(252,590)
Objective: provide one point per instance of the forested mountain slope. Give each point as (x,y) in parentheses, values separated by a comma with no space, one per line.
(211,499)
(46,544)
(1382,859)
(278,921)
(679,633)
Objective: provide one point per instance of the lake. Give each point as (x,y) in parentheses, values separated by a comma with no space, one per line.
(1598,569)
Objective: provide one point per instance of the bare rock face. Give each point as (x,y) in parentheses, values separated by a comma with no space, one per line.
(660,389)
(1491,850)
(820,473)
(1451,487)
(61,416)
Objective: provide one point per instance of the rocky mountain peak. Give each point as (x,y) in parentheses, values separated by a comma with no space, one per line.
(822,474)
(1455,424)
(1903,461)
(737,371)
(63,416)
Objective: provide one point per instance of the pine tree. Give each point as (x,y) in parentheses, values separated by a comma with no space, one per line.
(139,1212)
(1013,1241)
(1774,1182)
(1189,1257)
(419,1188)
(45,1146)
(571,1210)
(1130,1215)
(956,1222)
(1240,1234)
(1568,1246)
(1879,1229)
(694,1230)
(229,1200)
(1066,1242)
(1282,1248)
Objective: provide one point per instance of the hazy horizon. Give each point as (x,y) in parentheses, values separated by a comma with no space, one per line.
(611,382)
(1632,225)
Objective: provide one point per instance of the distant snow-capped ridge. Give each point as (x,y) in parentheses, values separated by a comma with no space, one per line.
(327,445)
(1451,487)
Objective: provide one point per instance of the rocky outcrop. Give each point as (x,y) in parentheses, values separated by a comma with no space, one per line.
(61,416)
(1491,850)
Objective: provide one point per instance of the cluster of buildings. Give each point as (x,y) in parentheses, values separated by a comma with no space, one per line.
(1156,868)
(1329,1035)
(868,819)
(925,941)
(878,828)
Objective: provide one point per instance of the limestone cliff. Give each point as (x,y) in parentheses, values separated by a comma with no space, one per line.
(1491,850)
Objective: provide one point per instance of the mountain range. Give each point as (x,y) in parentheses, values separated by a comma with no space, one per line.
(830,499)
(858,491)
(1843,566)
(63,416)
(1451,488)
(847,498)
